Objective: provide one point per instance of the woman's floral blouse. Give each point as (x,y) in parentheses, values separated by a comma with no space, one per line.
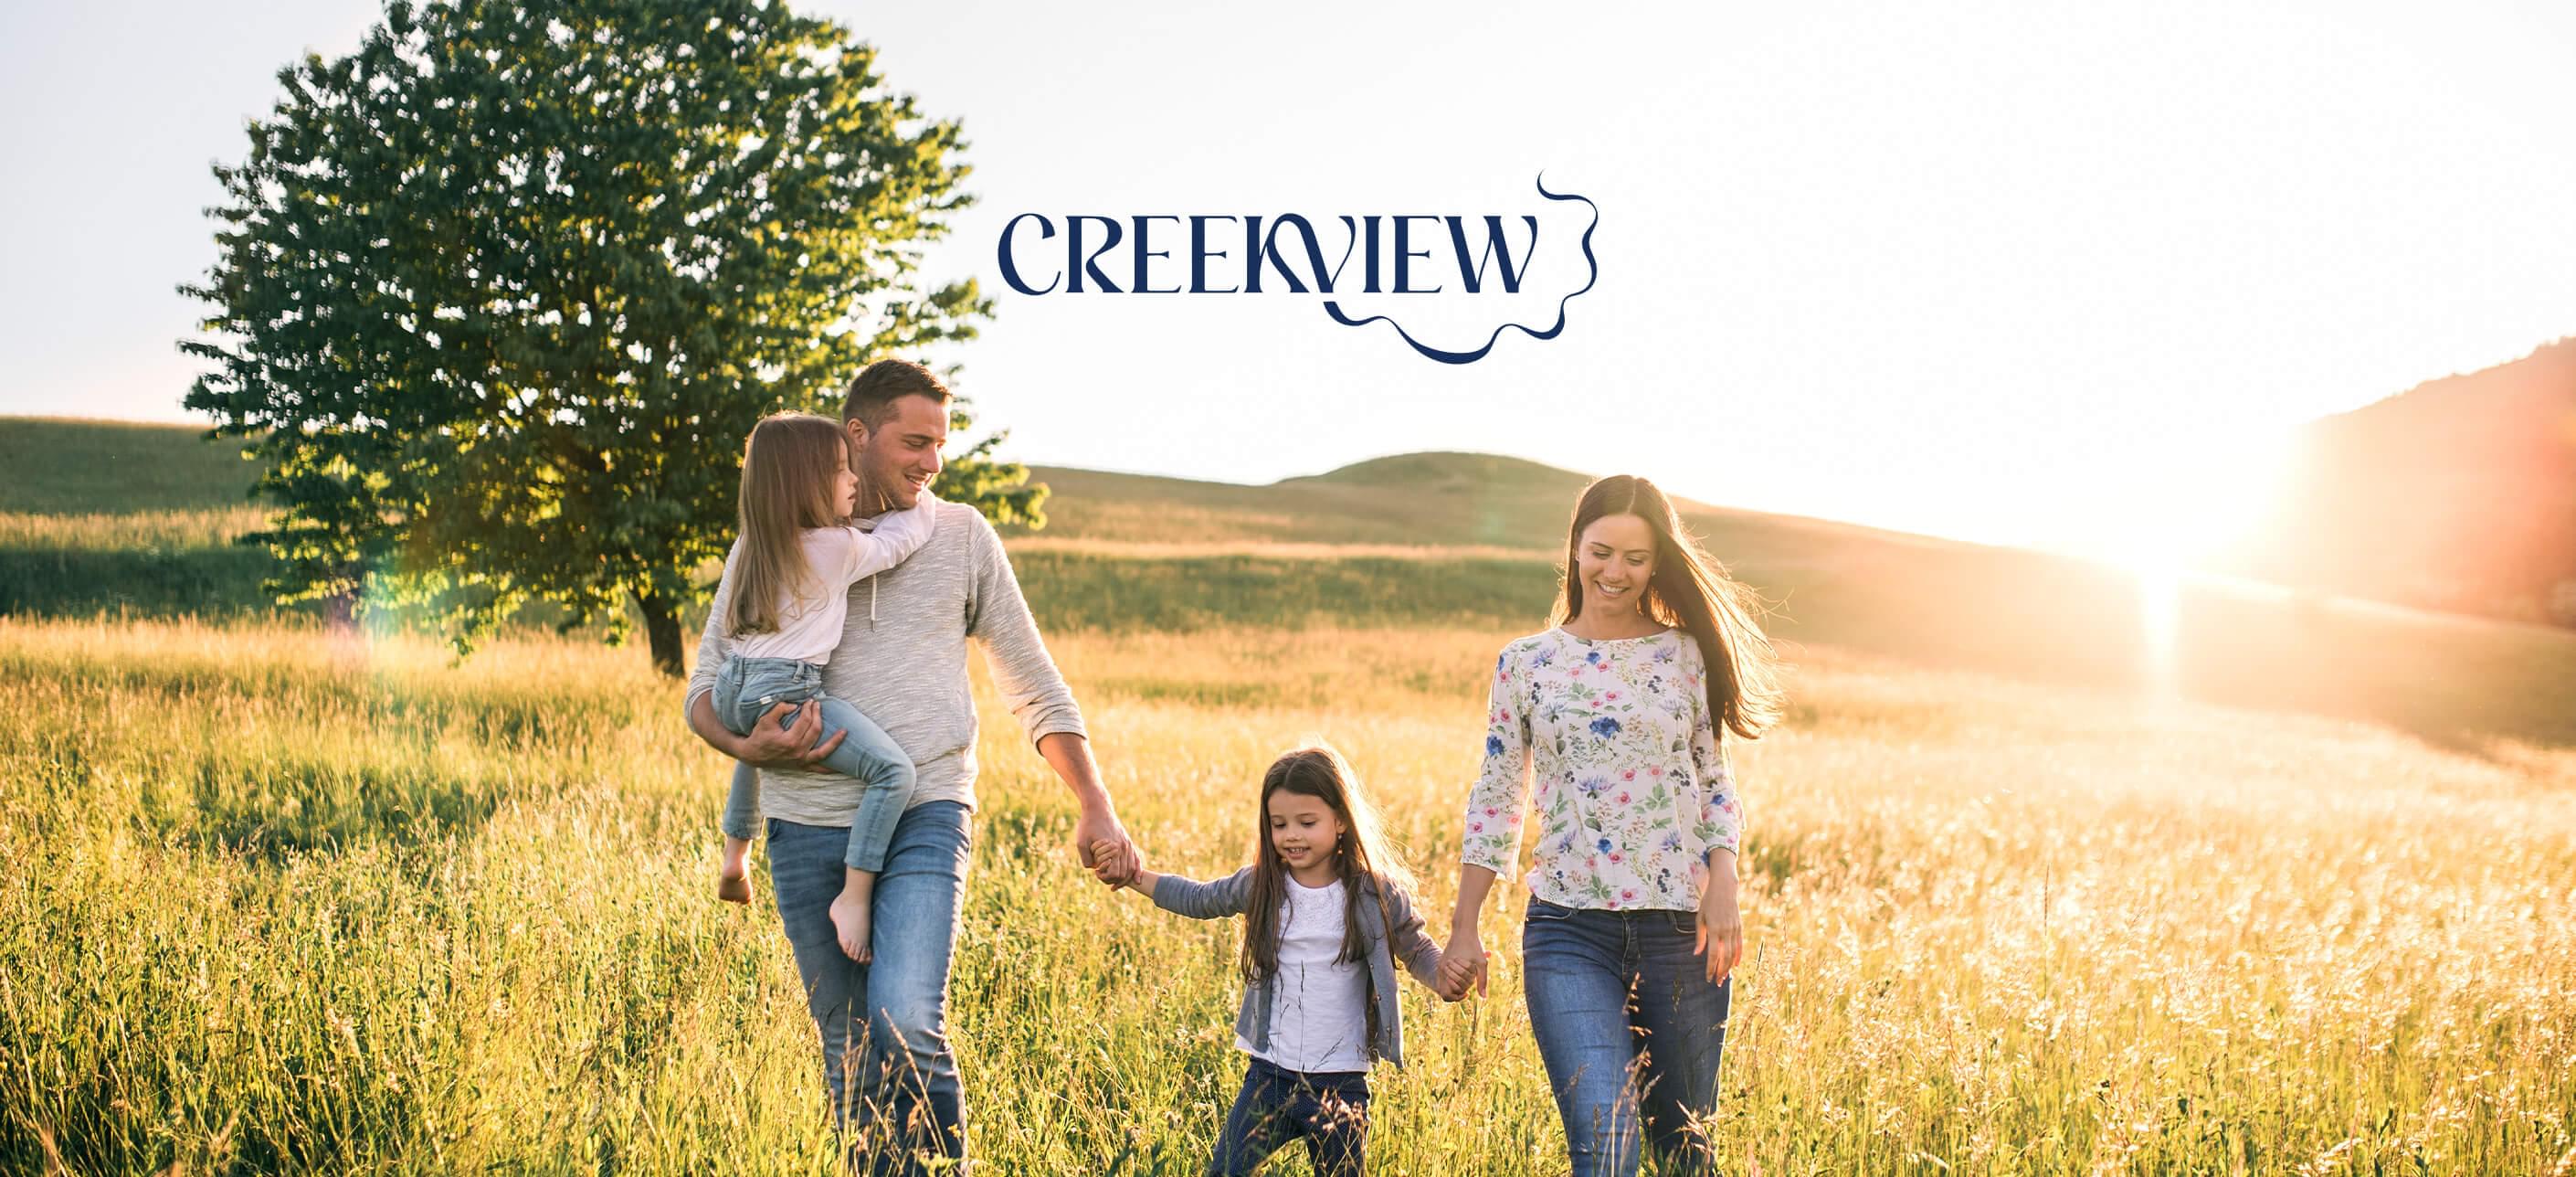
(1633,790)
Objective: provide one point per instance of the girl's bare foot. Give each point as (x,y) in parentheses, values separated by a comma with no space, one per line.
(850,919)
(733,876)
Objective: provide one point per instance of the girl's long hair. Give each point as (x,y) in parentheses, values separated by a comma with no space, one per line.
(1690,591)
(790,467)
(1363,854)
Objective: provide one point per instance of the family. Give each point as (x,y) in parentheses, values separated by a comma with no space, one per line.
(833,671)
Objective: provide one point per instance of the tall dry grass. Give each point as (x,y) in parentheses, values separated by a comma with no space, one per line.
(288,902)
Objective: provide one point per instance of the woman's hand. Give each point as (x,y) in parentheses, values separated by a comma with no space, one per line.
(1721,926)
(1462,963)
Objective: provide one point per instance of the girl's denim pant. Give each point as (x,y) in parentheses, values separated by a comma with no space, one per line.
(745,690)
(1629,1028)
(1327,1108)
(888,1072)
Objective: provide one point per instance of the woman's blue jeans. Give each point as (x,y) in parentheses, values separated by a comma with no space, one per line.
(1629,1027)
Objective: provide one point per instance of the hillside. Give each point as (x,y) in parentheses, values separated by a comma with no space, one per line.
(1444,539)
(53,466)
(2458,494)
(1441,500)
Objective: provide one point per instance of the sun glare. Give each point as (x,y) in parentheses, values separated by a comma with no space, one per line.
(2175,511)
(2171,517)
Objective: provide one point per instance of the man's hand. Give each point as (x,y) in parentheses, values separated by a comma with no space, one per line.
(1142,882)
(792,746)
(1105,849)
(1116,863)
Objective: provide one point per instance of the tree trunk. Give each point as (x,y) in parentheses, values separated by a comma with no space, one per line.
(340,613)
(340,609)
(662,633)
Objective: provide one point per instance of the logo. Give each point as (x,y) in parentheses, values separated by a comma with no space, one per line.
(1411,259)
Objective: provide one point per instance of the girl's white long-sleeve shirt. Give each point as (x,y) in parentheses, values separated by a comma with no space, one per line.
(902,662)
(814,610)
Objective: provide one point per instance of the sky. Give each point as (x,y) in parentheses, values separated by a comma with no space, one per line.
(2015,273)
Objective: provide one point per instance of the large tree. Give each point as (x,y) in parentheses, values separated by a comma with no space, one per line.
(501,293)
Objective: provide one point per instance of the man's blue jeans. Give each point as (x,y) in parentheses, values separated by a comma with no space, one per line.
(1627,1024)
(887,1069)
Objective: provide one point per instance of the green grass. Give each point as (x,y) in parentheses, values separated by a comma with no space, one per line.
(69,467)
(117,518)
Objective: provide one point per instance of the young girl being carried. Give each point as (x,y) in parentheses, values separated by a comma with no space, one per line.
(793,568)
(1318,959)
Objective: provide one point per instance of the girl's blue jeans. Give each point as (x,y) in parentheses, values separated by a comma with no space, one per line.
(1328,1109)
(1629,1027)
(746,688)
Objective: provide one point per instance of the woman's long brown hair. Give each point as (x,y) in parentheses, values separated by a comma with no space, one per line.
(1363,853)
(1690,591)
(790,467)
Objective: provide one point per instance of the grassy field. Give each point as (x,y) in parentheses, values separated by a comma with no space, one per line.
(2030,890)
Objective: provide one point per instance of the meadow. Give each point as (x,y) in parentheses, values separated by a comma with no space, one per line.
(2029,890)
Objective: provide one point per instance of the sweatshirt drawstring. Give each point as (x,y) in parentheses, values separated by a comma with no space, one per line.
(872,602)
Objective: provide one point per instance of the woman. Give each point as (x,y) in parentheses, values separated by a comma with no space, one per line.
(1632,925)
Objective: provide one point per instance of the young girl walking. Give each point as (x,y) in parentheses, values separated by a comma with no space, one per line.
(1318,960)
(793,568)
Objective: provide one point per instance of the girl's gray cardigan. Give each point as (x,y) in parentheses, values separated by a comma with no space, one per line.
(1226,896)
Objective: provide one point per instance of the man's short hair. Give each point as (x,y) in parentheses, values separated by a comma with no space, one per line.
(873,393)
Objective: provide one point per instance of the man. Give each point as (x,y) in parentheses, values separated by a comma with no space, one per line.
(887,1066)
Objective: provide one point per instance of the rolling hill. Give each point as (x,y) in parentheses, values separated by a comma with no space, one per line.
(132,520)
(2458,494)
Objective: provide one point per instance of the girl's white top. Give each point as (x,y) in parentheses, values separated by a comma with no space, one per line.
(811,613)
(1319,1019)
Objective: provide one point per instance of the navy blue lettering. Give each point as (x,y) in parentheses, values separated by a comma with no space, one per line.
(1474,279)
(1079,265)
(1200,253)
(1252,255)
(1144,255)
(1404,256)
(1314,254)
(1011,270)
(1370,286)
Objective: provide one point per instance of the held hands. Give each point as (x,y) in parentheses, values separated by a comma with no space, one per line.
(784,738)
(1105,850)
(1721,926)
(1142,882)
(1463,965)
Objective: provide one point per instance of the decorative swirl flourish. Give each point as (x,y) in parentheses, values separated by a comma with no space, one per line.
(1593,274)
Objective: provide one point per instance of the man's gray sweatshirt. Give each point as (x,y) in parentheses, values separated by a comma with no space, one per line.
(902,663)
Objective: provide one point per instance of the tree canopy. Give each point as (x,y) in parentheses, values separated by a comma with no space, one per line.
(500,294)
